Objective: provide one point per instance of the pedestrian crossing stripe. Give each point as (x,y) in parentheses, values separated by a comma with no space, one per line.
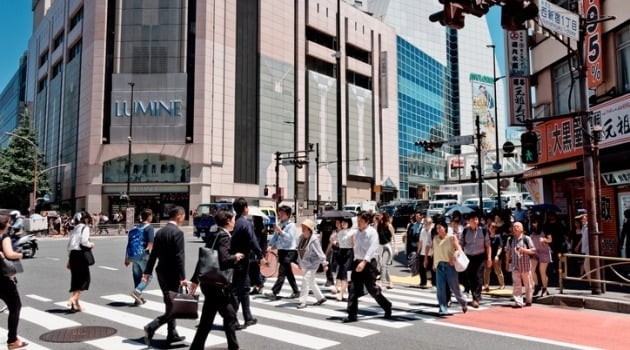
(406,303)
(31,344)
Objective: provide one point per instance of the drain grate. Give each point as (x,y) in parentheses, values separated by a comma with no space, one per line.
(77,334)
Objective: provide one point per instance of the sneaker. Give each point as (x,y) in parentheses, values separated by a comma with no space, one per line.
(301,306)
(137,297)
(294,295)
(518,305)
(321,301)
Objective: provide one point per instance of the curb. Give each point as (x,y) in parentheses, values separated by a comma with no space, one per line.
(593,303)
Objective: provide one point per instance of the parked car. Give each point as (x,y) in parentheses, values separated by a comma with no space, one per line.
(271,221)
(440,207)
(203,220)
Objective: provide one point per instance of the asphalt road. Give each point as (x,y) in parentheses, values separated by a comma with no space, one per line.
(44,291)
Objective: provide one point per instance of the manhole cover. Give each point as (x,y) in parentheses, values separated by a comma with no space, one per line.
(77,334)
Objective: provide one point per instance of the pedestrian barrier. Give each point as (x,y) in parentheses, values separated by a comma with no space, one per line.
(612,270)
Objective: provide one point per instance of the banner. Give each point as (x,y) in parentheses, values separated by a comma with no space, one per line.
(483,106)
(593,44)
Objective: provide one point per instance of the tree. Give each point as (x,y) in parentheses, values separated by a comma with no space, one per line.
(17,167)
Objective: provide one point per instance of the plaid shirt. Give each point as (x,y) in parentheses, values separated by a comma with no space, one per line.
(520,261)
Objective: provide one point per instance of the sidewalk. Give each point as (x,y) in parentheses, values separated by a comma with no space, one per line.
(609,301)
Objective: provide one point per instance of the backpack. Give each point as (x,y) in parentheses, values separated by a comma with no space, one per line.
(136,244)
(467,229)
(525,240)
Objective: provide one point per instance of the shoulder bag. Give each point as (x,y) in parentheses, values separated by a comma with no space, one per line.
(210,269)
(87,254)
(461,260)
(10,267)
(184,304)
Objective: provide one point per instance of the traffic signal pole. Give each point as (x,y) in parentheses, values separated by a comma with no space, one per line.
(479,173)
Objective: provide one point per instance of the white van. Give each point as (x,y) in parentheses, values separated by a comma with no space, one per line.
(356,208)
(440,207)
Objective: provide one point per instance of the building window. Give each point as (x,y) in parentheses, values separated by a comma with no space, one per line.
(43,58)
(58,41)
(42,84)
(623,59)
(566,96)
(76,18)
(57,68)
(75,50)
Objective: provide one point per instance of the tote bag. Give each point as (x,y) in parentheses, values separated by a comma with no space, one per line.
(184,304)
(210,270)
(461,261)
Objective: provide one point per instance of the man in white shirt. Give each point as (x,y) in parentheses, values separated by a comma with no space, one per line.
(366,249)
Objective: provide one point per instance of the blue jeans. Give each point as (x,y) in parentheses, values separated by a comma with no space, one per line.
(447,279)
(138,264)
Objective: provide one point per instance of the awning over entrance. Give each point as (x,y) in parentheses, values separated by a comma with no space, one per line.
(548,170)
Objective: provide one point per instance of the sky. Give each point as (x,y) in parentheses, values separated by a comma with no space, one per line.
(16,27)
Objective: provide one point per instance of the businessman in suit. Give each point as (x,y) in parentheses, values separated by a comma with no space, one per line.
(168,249)
(243,241)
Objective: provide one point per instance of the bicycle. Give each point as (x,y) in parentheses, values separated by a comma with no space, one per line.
(271,267)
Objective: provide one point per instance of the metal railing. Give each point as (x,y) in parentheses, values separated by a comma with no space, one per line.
(608,266)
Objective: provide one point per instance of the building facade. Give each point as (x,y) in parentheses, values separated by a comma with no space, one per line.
(12,102)
(558,176)
(186,102)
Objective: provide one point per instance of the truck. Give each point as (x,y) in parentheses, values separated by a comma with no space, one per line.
(358,207)
(459,192)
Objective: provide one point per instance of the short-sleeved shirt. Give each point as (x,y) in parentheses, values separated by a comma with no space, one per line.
(520,261)
(474,241)
(442,249)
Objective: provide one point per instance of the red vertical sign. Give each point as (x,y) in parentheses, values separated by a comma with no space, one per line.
(593,44)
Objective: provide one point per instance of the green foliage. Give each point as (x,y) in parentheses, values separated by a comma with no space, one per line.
(17,166)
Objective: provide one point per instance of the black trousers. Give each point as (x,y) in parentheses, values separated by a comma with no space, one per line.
(255,278)
(423,270)
(168,282)
(216,300)
(359,280)
(240,291)
(474,272)
(9,294)
(285,258)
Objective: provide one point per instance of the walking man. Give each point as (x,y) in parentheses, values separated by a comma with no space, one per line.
(285,240)
(243,241)
(476,244)
(364,271)
(139,245)
(518,252)
(168,249)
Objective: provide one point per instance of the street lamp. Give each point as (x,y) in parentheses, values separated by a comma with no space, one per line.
(35,174)
(130,140)
(497,165)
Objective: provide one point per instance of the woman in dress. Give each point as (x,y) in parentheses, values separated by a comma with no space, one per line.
(445,246)
(343,256)
(77,263)
(542,258)
(8,287)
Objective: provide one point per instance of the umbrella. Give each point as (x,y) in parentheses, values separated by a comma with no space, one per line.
(544,207)
(255,211)
(334,214)
(462,209)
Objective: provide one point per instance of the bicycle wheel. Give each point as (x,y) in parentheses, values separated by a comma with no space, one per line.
(271,268)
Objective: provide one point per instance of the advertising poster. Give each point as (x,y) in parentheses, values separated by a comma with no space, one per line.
(483,106)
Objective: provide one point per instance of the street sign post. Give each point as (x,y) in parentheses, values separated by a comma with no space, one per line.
(460,140)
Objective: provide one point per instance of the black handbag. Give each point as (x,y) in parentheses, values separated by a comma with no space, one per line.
(184,304)
(10,267)
(209,268)
(87,254)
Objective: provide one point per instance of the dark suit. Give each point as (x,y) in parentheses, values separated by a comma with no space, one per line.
(217,299)
(168,249)
(243,241)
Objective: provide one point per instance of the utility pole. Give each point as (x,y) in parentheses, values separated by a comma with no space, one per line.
(479,173)
(277,199)
(130,140)
(339,123)
(497,164)
(317,179)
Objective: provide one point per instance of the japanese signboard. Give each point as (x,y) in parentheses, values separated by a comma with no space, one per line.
(562,138)
(593,44)
(559,20)
(517,53)
(520,100)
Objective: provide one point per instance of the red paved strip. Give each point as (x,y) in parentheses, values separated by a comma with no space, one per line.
(604,330)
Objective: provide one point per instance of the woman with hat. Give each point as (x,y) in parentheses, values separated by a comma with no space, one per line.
(310,256)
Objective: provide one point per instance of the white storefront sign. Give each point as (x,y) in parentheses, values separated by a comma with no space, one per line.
(559,20)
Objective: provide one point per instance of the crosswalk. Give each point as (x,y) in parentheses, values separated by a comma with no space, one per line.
(279,321)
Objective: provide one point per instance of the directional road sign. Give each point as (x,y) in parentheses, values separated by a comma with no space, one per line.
(460,140)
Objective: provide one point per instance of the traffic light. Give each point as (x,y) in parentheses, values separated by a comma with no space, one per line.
(515,13)
(529,147)
(454,10)
(266,191)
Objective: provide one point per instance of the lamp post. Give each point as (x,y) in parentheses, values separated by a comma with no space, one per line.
(130,140)
(497,164)
(317,179)
(339,123)
(480,174)
(35,174)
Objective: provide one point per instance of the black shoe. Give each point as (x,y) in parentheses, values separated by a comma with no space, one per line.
(388,313)
(239,326)
(251,322)
(272,296)
(148,335)
(321,301)
(256,290)
(536,290)
(294,295)
(329,283)
(174,339)
(349,319)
